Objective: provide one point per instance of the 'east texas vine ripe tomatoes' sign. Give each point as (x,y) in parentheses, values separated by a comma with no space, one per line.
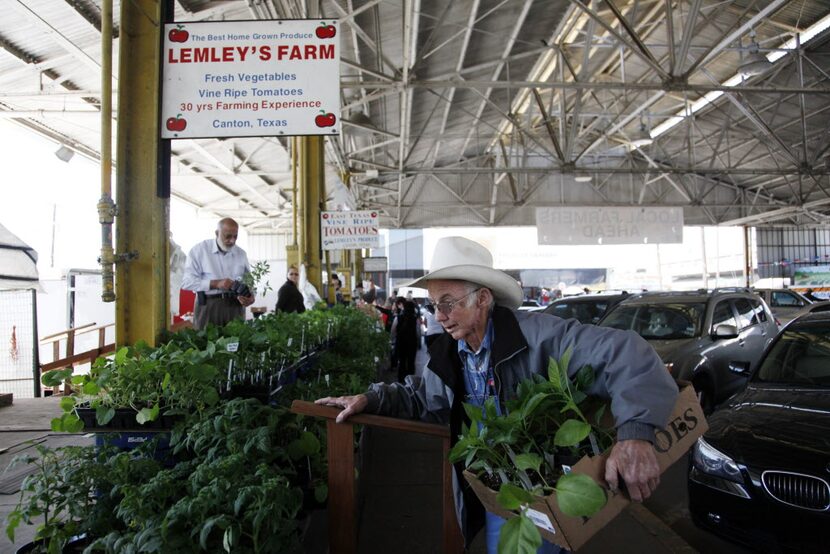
(251,78)
(349,230)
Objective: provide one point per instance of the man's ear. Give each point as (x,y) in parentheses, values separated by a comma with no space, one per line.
(486,297)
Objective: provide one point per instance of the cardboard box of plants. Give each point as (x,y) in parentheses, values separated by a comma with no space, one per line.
(571,492)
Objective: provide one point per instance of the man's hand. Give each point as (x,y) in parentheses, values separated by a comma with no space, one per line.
(225,284)
(352,404)
(636,462)
(246,300)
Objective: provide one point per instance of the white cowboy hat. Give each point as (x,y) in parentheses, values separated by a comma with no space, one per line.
(466,260)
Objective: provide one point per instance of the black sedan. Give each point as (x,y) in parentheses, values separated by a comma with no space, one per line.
(761,474)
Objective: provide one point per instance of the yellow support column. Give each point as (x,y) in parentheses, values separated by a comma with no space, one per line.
(142,286)
(313,190)
(292,251)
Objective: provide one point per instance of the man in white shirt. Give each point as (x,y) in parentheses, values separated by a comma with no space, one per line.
(214,270)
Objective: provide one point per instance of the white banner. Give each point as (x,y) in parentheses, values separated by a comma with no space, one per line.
(618,225)
(251,78)
(349,230)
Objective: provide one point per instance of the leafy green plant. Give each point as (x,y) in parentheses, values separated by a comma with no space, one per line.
(74,490)
(529,450)
(255,276)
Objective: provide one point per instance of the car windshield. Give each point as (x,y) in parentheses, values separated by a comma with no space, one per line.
(801,356)
(663,321)
(582,310)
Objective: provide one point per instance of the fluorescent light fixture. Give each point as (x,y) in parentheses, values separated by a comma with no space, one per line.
(641,138)
(777,53)
(582,178)
(755,63)
(64,153)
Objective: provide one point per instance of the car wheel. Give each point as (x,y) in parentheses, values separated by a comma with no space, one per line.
(704,395)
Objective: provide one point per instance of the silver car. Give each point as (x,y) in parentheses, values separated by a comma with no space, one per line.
(784,303)
(713,339)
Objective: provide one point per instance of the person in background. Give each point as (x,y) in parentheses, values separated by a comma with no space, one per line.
(336,285)
(810,295)
(357,294)
(213,270)
(371,293)
(289,297)
(490,347)
(406,332)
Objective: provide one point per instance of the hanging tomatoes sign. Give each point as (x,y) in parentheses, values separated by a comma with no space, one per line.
(251,78)
(349,230)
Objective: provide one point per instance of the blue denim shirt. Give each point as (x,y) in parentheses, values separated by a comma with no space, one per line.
(478,371)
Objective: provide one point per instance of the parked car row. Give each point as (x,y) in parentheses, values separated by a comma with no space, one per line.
(761,474)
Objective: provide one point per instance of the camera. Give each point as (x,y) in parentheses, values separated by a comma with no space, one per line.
(240,289)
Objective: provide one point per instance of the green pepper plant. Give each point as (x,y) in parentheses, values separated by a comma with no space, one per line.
(529,449)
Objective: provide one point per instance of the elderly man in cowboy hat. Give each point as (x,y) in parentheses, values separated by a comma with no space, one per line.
(489,348)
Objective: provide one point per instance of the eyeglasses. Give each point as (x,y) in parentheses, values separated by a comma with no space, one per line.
(447,307)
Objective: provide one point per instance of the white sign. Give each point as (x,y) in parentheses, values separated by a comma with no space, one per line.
(619,225)
(349,230)
(375,264)
(251,78)
(540,519)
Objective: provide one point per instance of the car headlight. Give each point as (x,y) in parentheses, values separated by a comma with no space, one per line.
(712,461)
(714,469)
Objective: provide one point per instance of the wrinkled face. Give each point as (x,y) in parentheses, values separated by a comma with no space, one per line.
(226,236)
(461,312)
(293,275)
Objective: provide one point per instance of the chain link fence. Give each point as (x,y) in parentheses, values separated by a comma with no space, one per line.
(18,343)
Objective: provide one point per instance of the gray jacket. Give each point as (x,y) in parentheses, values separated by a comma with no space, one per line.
(627,370)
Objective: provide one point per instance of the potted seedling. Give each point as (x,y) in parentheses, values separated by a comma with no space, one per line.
(256,281)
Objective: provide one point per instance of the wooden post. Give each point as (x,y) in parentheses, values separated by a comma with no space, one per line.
(341,508)
(342,530)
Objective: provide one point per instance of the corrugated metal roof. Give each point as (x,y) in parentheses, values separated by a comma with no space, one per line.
(472,67)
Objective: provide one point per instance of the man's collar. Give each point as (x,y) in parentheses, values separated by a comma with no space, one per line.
(216,249)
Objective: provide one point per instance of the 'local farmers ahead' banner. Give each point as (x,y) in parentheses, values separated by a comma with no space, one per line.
(349,230)
(251,78)
(617,225)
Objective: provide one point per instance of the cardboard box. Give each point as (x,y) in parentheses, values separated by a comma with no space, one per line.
(686,424)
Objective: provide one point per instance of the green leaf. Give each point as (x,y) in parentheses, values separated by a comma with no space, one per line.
(144,415)
(527,461)
(473,412)
(511,497)
(71,423)
(579,496)
(553,374)
(519,536)
(91,388)
(306,445)
(67,403)
(230,538)
(78,379)
(104,414)
(13,520)
(321,492)
(166,382)
(571,433)
(55,377)
(532,404)
(121,355)
(56,424)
